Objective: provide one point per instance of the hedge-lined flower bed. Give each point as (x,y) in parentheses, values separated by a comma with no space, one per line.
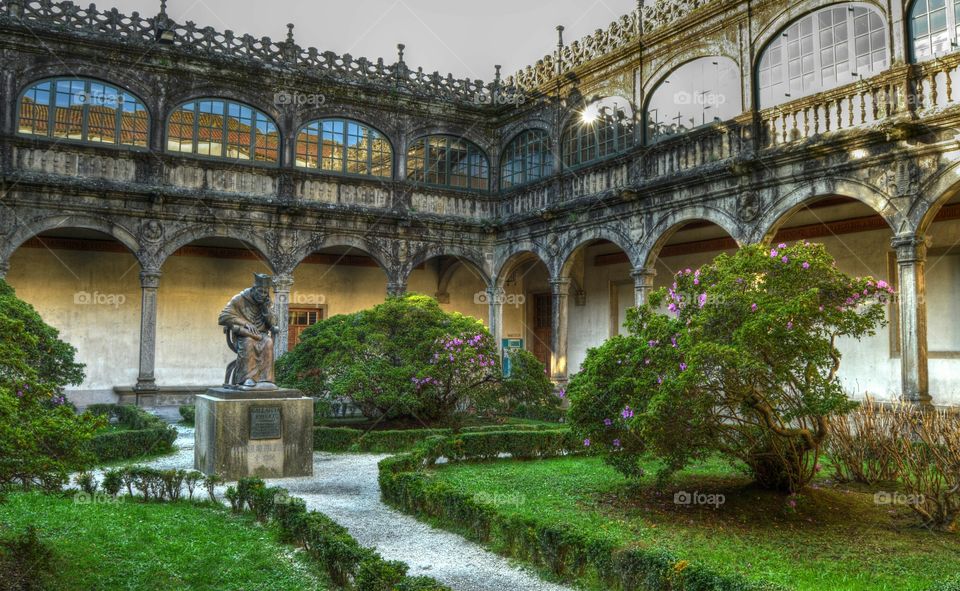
(341,439)
(349,565)
(143,434)
(567,553)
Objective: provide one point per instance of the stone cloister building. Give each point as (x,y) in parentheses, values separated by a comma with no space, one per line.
(149,167)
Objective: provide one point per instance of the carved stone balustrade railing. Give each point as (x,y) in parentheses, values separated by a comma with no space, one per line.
(694,149)
(865,102)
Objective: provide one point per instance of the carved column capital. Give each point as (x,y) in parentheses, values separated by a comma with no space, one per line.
(560,286)
(643,277)
(150,278)
(910,248)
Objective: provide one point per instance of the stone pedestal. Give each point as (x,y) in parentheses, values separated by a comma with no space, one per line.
(268,434)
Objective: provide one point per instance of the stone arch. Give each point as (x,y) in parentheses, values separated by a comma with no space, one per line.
(665,228)
(466,256)
(793,11)
(766,227)
(585,236)
(298,255)
(194,233)
(677,59)
(76,69)
(942,188)
(24,233)
(467,133)
(515,253)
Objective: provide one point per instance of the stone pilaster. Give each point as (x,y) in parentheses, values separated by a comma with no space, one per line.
(149,284)
(912,300)
(281,306)
(560,290)
(396,288)
(495,311)
(642,285)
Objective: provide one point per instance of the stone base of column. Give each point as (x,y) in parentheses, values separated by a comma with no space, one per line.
(265,434)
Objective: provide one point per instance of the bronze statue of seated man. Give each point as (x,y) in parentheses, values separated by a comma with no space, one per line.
(251,323)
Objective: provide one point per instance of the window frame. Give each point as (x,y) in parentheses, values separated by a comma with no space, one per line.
(225,129)
(777,43)
(622,142)
(525,139)
(52,108)
(951,30)
(344,158)
(475,158)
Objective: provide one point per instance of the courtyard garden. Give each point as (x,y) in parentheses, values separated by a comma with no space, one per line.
(710,448)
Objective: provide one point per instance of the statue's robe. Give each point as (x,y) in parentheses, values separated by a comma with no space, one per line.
(254,358)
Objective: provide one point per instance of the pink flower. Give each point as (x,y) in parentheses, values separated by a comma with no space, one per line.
(586,443)
(773,253)
(616,443)
(805,265)
(782,245)
(789,326)
(753,307)
(607,422)
(785,259)
(702,300)
(683,366)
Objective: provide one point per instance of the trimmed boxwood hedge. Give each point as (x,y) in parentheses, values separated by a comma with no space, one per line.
(188,414)
(340,439)
(144,434)
(405,485)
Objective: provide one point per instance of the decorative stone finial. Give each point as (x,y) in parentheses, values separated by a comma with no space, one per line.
(163,7)
(496,77)
(290,33)
(400,48)
(560,29)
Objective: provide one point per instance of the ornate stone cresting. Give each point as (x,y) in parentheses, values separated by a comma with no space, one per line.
(190,38)
(620,33)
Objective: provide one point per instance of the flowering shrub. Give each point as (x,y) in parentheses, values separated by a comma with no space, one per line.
(743,364)
(408,359)
(41,437)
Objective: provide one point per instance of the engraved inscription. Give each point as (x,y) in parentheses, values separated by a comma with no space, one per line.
(265,422)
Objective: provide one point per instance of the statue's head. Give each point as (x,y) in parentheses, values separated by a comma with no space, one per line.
(261,287)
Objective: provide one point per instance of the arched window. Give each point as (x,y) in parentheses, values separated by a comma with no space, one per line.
(344,146)
(223,129)
(831,47)
(697,93)
(527,158)
(448,161)
(934,27)
(597,136)
(83,110)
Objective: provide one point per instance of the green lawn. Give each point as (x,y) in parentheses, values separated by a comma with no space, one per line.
(835,539)
(136,546)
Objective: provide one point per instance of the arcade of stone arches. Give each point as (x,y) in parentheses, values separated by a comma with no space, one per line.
(84,278)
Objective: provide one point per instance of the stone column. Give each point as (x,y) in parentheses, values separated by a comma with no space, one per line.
(396,288)
(642,285)
(149,283)
(560,289)
(495,320)
(912,300)
(281,306)
(4,269)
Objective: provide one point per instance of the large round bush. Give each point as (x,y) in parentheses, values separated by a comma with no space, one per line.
(408,359)
(41,437)
(744,363)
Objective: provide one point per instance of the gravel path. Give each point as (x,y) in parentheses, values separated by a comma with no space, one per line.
(344,486)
